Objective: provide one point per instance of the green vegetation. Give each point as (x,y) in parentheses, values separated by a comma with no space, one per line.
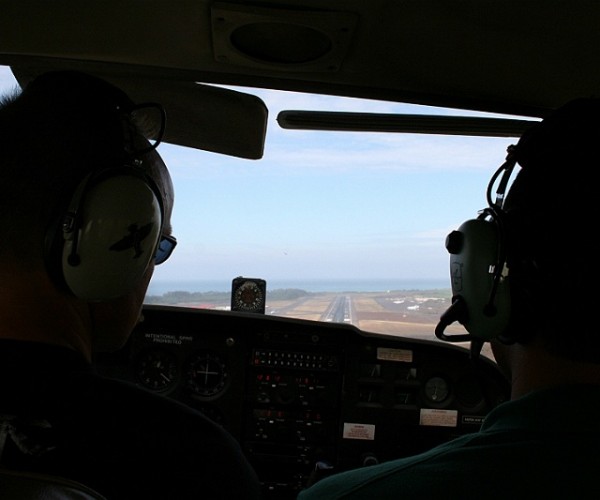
(178,297)
(181,297)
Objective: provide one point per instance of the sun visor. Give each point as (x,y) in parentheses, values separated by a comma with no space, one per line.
(198,116)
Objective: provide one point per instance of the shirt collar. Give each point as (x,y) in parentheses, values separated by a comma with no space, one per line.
(571,408)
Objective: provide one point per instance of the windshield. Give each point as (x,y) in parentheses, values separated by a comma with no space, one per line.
(343,226)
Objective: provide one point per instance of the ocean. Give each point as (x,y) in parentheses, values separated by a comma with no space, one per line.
(160,287)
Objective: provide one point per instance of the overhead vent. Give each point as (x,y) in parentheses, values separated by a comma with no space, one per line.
(288,40)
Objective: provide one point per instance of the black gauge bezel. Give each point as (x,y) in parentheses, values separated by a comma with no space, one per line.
(248,295)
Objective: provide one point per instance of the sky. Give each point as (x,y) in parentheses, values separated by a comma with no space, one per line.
(324,205)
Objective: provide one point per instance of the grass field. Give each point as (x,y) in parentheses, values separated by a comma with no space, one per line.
(407,313)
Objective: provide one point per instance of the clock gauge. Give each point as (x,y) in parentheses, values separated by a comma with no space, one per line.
(157,369)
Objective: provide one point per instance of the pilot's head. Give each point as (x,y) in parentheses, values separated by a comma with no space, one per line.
(86,198)
(553,216)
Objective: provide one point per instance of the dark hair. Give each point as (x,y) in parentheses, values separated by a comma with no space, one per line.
(553,214)
(62,126)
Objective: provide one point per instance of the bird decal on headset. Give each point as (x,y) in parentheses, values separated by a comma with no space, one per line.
(133,239)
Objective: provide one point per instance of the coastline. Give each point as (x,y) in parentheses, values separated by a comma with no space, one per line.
(160,287)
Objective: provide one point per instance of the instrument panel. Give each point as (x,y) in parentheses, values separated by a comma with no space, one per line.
(306,399)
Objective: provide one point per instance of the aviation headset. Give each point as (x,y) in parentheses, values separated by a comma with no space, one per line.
(481,300)
(480,292)
(104,242)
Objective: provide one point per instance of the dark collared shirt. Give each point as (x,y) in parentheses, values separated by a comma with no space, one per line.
(58,416)
(543,445)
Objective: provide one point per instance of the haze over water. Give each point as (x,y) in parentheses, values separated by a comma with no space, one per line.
(345,285)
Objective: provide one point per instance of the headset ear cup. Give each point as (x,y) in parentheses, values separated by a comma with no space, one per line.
(53,247)
(117,227)
(474,250)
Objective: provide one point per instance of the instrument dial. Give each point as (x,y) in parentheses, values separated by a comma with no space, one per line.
(437,389)
(248,295)
(157,369)
(206,374)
